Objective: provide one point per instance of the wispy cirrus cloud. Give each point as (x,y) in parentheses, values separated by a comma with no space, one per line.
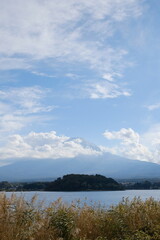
(153,106)
(12,63)
(53,28)
(21,106)
(105,89)
(65,32)
(28,100)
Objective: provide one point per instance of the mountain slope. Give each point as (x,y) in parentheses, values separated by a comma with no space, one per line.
(107,164)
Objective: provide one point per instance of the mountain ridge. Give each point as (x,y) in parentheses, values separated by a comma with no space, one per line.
(107,164)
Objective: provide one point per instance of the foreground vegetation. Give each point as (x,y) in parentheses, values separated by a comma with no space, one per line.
(130,220)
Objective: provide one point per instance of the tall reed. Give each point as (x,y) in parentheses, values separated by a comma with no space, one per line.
(31,220)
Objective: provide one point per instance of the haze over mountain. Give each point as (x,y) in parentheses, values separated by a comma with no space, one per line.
(106,164)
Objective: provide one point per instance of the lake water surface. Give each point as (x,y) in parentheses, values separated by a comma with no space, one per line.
(106,198)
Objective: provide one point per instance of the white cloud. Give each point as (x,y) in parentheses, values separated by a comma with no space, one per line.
(108,77)
(43,74)
(106,89)
(25,99)
(44,29)
(11,123)
(45,145)
(21,106)
(127,135)
(64,31)
(153,106)
(131,145)
(151,138)
(111,76)
(13,63)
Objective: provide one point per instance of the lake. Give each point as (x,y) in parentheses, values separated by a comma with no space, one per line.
(106,198)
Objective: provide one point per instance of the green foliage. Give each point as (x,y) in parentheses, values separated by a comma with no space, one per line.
(82,182)
(63,222)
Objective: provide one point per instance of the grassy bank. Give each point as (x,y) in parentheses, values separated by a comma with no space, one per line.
(130,220)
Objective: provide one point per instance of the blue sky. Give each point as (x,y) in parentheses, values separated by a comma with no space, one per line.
(79,72)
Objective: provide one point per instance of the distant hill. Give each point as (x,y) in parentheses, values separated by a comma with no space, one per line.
(107,164)
(83,182)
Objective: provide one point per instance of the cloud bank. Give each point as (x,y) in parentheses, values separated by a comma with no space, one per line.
(49,145)
(132,145)
(45,145)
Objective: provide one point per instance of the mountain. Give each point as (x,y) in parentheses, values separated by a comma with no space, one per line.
(107,164)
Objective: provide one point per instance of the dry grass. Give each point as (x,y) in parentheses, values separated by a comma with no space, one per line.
(130,220)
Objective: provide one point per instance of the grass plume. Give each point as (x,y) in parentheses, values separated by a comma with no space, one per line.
(30,220)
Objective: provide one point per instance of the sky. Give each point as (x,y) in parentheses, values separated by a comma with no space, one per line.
(79,78)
